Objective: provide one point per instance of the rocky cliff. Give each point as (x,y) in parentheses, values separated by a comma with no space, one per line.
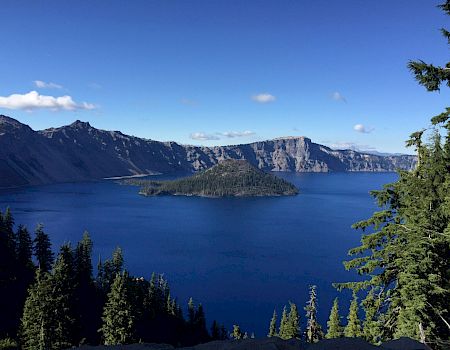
(80,152)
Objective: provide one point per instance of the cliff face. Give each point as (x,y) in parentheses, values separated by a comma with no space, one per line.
(79,152)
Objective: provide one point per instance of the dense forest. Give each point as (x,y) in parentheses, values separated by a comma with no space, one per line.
(228,178)
(55,302)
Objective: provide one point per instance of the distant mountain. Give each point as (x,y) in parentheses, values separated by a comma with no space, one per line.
(80,152)
(228,178)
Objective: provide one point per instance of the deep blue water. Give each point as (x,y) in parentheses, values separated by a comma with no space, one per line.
(240,257)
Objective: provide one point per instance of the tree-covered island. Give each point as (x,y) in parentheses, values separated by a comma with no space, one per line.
(229,178)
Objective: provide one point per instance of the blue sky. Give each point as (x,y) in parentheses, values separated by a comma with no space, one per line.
(224,72)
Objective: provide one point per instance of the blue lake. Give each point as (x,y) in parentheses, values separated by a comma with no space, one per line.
(240,257)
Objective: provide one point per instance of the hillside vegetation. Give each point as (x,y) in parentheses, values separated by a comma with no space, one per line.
(236,178)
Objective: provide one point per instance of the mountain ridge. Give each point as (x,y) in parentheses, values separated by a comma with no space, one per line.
(80,152)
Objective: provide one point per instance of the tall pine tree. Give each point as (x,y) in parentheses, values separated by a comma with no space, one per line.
(42,249)
(118,314)
(335,329)
(353,327)
(273,325)
(313,329)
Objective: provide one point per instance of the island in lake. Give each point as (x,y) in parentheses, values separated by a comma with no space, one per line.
(229,178)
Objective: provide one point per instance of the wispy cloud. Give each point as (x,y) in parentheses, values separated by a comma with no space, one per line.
(337,96)
(349,145)
(232,134)
(33,100)
(44,85)
(362,129)
(201,136)
(263,98)
(188,102)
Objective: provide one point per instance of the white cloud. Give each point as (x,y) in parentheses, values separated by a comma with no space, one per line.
(33,100)
(263,98)
(339,145)
(337,96)
(362,129)
(43,85)
(203,137)
(232,134)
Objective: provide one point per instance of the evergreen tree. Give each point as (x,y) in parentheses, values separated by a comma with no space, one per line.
(283,332)
(37,324)
(8,276)
(353,327)
(200,325)
(191,312)
(24,248)
(118,317)
(108,270)
(313,330)
(405,259)
(273,325)
(293,330)
(42,249)
(237,333)
(86,298)
(335,329)
(215,330)
(62,298)
(8,223)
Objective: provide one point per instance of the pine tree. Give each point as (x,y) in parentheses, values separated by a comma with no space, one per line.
(273,325)
(237,333)
(36,331)
(372,325)
(108,270)
(62,298)
(335,329)
(42,249)
(313,329)
(283,332)
(24,248)
(118,318)
(191,312)
(405,259)
(87,303)
(200,325)
(353,327)
(215,331)
(9,275)
(293,322)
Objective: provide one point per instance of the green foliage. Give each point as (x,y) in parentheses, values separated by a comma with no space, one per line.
(8,344)
(353,327)
(37,321)
(335,329)
(273,325)
(290,323)
(429,75)
(64,306)
(228,178)
(118,314)
(313,329)
(405,247)
(237,333)
(42,249)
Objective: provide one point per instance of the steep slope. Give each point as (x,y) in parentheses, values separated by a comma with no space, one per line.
(80,152)
(231,177)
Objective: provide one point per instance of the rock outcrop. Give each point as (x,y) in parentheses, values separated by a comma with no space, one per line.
(80,152)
